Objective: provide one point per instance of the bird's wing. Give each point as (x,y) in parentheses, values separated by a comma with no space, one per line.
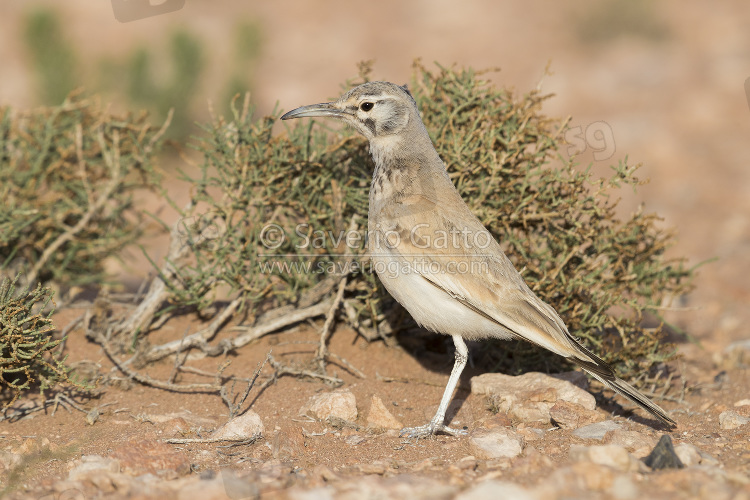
(445,234)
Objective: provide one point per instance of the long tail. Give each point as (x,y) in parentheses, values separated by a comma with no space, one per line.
(604,374)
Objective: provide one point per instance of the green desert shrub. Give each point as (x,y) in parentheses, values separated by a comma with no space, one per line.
(68,177)
(26,341)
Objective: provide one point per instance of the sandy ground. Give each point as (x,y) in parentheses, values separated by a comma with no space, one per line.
(675,103)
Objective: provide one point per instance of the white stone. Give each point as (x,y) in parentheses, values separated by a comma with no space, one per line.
(688,454)
(340,403)
(732,420)
(89,463)
(633,441)
(742,402)
(495,443)
(596,431)
(611,455)
(245,426)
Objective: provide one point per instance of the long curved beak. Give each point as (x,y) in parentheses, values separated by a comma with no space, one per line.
(326,109)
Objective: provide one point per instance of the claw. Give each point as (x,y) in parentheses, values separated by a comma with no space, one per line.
(430,430)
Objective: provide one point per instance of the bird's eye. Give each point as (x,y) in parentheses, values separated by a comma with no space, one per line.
(366,106)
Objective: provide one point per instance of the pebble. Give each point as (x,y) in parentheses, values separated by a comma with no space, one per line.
(340,404)
(596,431)
(9,460)
(495,443)
(379,417)
(89,463)
(245,426)
(663,455)
(635,442)
(732,420)
(611,455)
(493,489)
(688,454)
(568,482)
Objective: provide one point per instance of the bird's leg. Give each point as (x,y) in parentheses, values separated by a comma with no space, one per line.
(436,424)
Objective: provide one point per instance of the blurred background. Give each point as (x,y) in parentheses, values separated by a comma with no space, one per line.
(663,83)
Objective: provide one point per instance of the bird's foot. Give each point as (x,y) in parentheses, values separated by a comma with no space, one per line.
(430,429)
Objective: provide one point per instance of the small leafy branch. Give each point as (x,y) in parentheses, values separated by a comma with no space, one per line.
(26,340)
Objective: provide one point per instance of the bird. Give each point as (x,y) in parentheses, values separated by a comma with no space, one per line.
(436,258)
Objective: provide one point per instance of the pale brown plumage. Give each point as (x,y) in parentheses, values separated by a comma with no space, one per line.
(413,206)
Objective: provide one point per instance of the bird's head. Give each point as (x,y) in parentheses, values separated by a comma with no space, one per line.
(374,109)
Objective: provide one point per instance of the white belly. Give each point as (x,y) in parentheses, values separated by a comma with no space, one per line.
(430,306)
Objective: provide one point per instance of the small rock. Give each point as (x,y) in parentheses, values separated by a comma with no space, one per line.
(495,443)
(596,431)
(610,455)
(692,455)
(578,478)
(245,426)
(530,433)
(688,454)
(88,463)
(634,442)
(354,440)
(339,404)
(742,402)
(663,455)
(379,417)
(9,460)
(468,462)
(732,420)
(567,415)
(493,489)
(285,446)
